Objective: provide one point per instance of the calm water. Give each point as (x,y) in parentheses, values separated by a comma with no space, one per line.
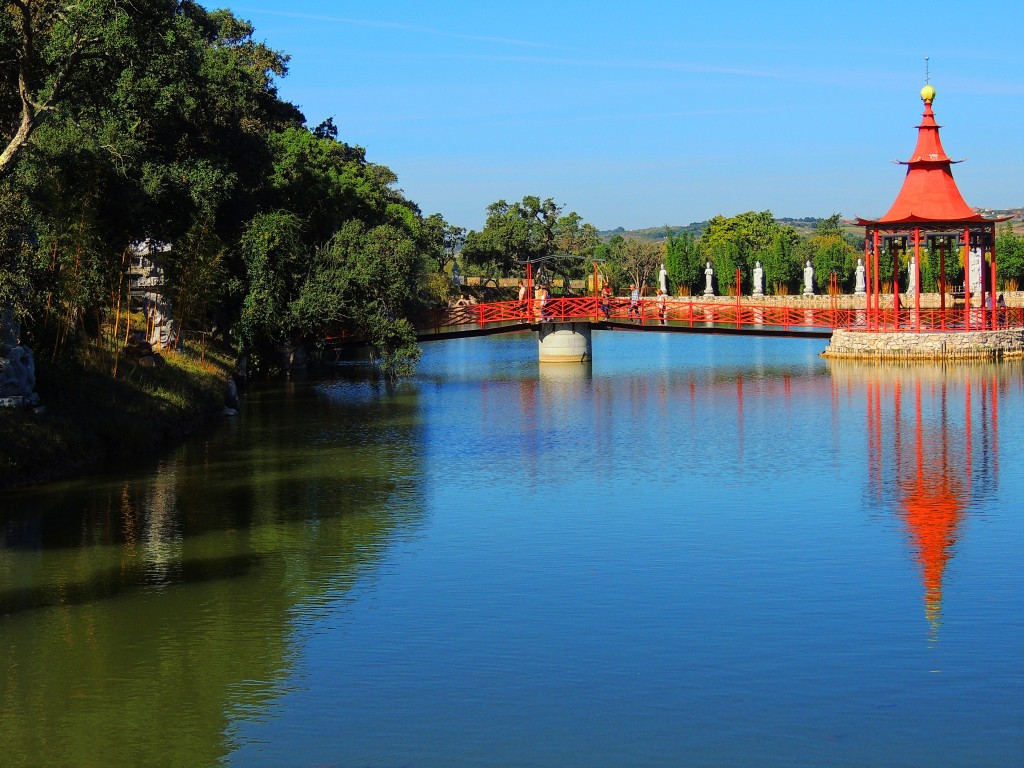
(697,552)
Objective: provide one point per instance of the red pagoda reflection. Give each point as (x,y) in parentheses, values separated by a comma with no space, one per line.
(932,464)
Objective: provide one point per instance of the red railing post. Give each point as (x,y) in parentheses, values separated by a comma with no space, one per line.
(737,297)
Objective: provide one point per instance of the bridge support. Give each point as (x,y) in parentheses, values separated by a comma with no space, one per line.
(564,342)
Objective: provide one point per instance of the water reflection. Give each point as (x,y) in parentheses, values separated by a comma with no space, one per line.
(927,463)
(710,541)
(143,617)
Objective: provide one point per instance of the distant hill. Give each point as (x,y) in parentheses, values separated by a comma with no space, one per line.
(803,227)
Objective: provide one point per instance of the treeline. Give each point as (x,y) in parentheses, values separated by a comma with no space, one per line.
(159,120)
(533,228)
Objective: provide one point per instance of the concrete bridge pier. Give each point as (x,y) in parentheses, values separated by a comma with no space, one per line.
(564,342)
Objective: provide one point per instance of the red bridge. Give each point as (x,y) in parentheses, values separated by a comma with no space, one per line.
(703,316)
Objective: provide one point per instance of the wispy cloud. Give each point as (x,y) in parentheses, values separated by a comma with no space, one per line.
(406,28)
(668,66)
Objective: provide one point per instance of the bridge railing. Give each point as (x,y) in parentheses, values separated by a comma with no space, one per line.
(724,313)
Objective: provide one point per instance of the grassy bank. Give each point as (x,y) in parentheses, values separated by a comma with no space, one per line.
(90,419)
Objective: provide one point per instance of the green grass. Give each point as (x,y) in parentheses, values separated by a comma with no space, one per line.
(89,418)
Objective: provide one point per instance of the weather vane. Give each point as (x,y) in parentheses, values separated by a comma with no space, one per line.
(927,77)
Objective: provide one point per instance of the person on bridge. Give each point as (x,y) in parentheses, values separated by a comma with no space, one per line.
(542,295)
(662,305)
(606,301)
(522,297)
(634,303)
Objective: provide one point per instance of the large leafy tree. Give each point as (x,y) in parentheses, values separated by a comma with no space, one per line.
(529,230)
(160,120)
(365,279)
(513,234)
(161,134)
(45,46)
(638,261)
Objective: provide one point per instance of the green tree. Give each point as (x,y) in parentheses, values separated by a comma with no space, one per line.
(781,263)
(637,261)
(683,260)
(365,280)
(726,257)
(46,45)
(513,234)
(163,122)
(830,252)
(738,242)
(1010,257)
(441,241)
(275,260)
(608,254)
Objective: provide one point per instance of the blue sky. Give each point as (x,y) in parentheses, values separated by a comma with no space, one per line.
(649,113)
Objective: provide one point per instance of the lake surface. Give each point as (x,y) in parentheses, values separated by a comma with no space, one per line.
(698,551)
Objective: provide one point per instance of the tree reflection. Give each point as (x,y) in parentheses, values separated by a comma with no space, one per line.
(141,618)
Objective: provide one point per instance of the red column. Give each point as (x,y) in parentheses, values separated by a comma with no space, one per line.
(877,293)
(942,280)
(992,282)
(967,278)
(896,288)
(917,278)
(867,281)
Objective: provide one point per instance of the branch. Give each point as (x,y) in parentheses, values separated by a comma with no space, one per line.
(32,107)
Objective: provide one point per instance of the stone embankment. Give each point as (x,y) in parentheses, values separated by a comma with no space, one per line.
(1002,344)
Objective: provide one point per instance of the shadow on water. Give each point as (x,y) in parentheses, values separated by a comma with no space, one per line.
(116,582)
(143,614)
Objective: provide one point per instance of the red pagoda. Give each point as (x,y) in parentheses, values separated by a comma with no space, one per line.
(930,209)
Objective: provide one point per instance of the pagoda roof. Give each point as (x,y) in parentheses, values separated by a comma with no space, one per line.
(929,194)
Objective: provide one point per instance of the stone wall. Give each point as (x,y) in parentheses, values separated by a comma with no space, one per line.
(975,345)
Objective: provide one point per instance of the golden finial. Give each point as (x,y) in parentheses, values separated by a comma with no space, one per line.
(927,93)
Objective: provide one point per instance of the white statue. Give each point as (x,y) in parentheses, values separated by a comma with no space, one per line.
(911,276)
(975,270)
(663,280)
(808,279)
(758,280)
(708,274)
(859,288)
(17,373)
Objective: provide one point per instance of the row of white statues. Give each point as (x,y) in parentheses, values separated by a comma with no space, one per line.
(808,283)
(758,278)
